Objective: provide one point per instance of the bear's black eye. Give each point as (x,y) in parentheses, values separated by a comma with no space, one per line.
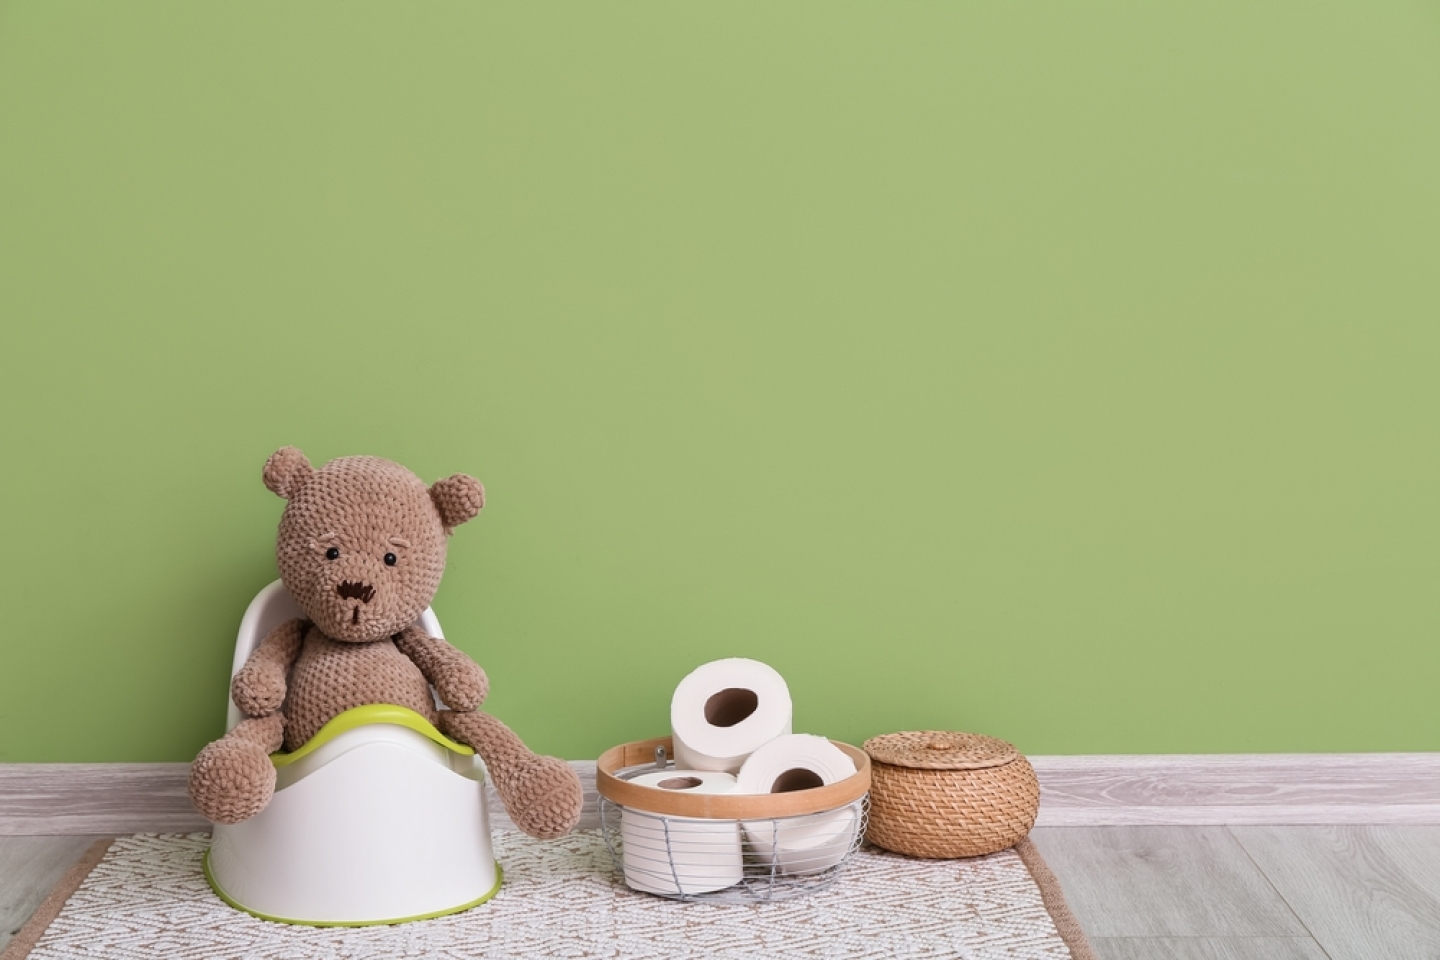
(391,559)
(333,553)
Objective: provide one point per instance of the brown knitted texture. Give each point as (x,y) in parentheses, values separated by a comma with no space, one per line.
(233,779)
(361,548)
(988,802)
(361,509)
(286,472)
(458,498)
(541,794)
(461,683)
(331,677)
(259,687)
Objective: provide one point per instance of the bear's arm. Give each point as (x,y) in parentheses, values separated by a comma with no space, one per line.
(459,681)
(259,688)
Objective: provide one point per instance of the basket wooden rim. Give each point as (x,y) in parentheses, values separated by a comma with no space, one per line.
(721,806)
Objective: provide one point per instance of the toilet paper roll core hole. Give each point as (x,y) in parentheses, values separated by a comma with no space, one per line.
(680,783)
(796,778)
(730,706)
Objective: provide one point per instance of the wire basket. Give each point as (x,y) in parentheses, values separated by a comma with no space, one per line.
(727,848)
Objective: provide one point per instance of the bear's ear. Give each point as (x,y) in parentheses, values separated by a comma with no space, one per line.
(458,498)
(286,472)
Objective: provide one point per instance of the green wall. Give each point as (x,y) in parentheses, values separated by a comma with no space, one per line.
(1062,371)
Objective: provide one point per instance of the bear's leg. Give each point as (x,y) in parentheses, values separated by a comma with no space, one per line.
(233,779)
(541,794)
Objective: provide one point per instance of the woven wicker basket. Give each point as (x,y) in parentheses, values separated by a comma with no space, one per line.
(942,795)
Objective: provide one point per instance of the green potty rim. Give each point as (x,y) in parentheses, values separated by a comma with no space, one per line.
(371,713)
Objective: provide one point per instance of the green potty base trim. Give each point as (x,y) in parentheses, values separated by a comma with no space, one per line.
(210,879)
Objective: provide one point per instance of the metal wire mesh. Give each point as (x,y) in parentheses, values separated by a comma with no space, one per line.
(731,860)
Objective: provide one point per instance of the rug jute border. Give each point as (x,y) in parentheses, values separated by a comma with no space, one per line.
(1065,923)
(29,935)
(24,941)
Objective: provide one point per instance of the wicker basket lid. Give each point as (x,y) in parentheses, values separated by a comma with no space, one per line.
(940,750)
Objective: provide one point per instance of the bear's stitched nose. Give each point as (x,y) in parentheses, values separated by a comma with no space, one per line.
(350,590)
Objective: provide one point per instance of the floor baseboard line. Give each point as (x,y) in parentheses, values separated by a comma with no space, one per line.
(1160,790)
(1239,789)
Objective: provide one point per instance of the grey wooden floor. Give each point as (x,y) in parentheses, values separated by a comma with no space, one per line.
(1141,893)
(1252,893)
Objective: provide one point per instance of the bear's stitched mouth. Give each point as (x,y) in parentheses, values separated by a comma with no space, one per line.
(355,615)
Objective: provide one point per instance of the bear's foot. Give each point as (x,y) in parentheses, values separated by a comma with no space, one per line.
(541,794)
(232,780)
(543,797)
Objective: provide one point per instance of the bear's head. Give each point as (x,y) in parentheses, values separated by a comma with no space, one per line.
(362,540)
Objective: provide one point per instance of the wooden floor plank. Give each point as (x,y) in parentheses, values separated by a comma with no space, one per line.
(1194,790)
(1365,893)
(44,799)
(29,868)
(1164,882)
(1207,948)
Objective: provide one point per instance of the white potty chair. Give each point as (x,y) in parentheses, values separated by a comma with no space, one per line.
(378,819)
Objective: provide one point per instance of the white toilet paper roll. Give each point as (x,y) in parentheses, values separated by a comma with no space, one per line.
(681,855)
(799,845)
(723,711)
(795,761)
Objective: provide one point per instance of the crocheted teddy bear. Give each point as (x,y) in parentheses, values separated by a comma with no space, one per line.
(361,549)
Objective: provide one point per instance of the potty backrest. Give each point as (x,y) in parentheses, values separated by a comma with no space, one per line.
(271,607)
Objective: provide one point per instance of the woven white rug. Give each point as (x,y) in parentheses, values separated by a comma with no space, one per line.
(147,898)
